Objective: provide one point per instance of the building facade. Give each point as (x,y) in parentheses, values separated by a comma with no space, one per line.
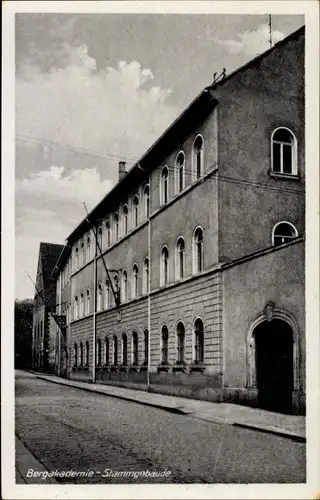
(188,277)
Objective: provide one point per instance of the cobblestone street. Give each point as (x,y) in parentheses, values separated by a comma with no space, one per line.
(67,428)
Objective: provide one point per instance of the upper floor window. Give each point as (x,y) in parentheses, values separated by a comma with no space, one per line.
(76,258)
(99,298)
(135,272)
(135,348)
(124,349)
(88,248)
(75,354)
(180,251)
(88,299)
(146,275)
(164,186)
(107,295)
(125,219)
(135,211)
(283,232)
(198,250)
(146,194)
(164,345)
(180,342)
(179,171)
(116,226)
(197,157)
(76,308)
(81,354)
(198,341)
(82,253)
(164,266)
(124,286)
(108,229)
(81,304)
(99,239)
(284,152)
(116,284)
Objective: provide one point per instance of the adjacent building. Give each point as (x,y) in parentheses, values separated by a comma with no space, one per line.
(188,277)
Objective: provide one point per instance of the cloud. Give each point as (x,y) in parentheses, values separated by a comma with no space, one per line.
(49,205)
(252,42)
(113,111)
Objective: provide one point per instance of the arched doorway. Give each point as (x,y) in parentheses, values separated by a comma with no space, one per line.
(274,365)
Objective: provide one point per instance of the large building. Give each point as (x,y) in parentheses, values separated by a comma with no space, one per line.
(188,277)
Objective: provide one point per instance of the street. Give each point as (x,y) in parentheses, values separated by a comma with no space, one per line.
(67,428)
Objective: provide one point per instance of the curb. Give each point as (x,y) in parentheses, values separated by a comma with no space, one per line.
(26,461)
(178,411)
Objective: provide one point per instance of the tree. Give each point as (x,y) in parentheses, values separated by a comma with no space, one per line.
(23,324)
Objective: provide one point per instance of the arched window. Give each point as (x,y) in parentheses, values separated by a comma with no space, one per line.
(115,285)
(179,171)
(284,152)
(164,267)
(198,341)
(180,252)
(106,295)
(76,258)
(197,157)
(198,250)
(124,349)
(108,230)
(164,345)
(99,298)
(99,240)
(81,305)
(124,286)
(98,354)
(135,348)
(135,276)
(88,248)
(87,353)
(115,350)
(145,347)
(76,307)
(146,275)
(164,186)
(146,195)
(106,351)
(283,232)
(125,219)
(180,343)
(88,298)
(75,355)
(81,354)
(135,211)
(116,227)
(82,253)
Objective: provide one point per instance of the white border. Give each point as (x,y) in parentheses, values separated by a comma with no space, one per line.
(310,8)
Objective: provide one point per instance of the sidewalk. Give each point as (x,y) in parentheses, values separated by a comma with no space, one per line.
(25,462)
(292,426)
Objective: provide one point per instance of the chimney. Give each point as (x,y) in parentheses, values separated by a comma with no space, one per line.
(122,169)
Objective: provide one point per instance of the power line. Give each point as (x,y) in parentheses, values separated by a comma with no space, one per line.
(76,149)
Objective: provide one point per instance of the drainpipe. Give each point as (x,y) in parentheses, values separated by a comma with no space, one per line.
(94,313)
(149,289)
(59,330)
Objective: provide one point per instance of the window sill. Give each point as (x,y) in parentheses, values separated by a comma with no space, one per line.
(164,368)
(197,367)
(180,368)
(280,175)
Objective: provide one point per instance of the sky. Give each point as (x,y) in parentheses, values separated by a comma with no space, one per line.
(94,89)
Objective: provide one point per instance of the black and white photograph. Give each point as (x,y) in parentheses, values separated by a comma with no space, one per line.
(162,332)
